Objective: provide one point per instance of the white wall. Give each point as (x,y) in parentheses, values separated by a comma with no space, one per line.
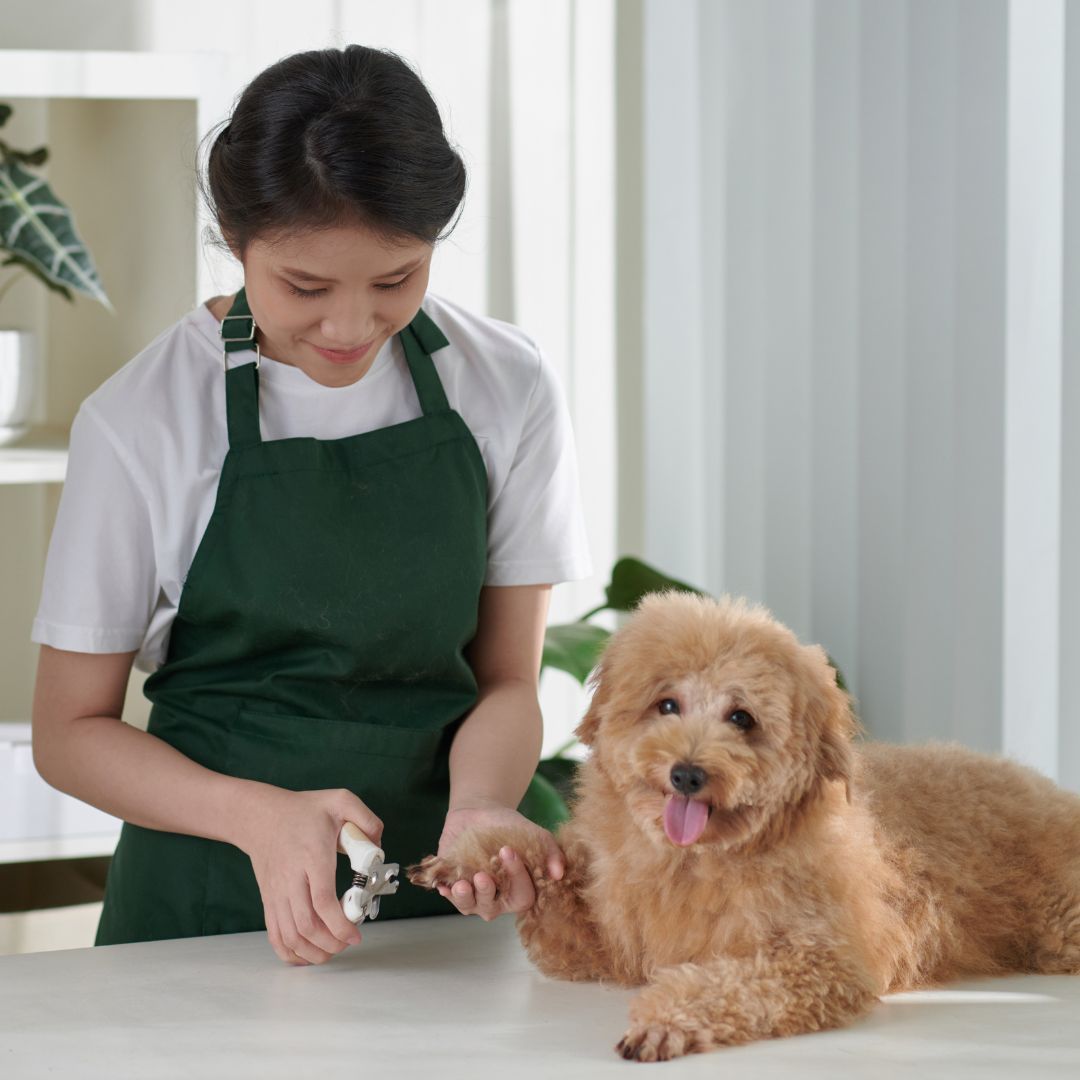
(860,362)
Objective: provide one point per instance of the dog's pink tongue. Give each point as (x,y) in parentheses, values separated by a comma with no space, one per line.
(684,819)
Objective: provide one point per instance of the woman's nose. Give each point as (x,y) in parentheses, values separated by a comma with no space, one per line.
(347,330)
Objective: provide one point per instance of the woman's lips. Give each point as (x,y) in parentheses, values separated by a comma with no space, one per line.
(338,356)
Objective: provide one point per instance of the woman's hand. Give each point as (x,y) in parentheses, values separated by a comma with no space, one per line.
(291,838)
(480,896)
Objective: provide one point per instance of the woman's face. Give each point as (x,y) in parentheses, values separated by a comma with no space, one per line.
(339,289)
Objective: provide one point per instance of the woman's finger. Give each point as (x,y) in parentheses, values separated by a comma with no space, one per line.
(328,910)
(487,907)
(273,933)
(520,893)
(462,897)
(556,860)
(287,936)
(274,937)
(301,934)
(355,810)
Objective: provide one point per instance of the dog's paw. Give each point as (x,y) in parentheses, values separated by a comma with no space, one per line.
(475,851)
(661,1041)
(436,870)
(431,872)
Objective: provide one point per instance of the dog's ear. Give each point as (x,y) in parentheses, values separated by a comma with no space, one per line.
(831,718)
(835,759)
(590,722)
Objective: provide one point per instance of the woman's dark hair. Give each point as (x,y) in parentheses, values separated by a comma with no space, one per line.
(332,137)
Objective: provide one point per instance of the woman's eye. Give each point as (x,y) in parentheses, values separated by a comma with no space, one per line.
(742,720)
(304,292)
(668,707)
(396,285)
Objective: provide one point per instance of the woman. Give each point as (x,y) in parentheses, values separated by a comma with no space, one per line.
(325,513)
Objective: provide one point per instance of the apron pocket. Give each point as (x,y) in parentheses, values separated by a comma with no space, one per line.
(402,774)
(307,753)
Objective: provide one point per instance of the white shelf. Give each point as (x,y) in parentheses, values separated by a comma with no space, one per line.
(58,847)
(207,79)
(71,73)
(38,457)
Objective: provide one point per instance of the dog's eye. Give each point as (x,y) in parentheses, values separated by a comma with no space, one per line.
(668,707)
(742,720)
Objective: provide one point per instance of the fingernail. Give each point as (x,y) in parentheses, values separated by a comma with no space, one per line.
(507,855)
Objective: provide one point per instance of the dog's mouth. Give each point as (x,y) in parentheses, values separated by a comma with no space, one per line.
(685,819)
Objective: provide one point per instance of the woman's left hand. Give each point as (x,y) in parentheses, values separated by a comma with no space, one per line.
(479,896)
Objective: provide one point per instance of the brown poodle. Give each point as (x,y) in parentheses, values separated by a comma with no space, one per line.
(731,849)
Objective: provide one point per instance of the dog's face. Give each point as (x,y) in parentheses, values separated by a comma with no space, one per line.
(713,723)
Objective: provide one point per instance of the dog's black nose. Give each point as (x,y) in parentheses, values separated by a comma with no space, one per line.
(688,779)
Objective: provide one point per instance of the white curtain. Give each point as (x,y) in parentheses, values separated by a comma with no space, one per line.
(860,356)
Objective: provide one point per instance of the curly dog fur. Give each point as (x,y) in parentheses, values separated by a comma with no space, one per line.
(819,874)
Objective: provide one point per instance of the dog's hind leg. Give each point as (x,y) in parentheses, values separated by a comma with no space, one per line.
(788,990)
(1055,924)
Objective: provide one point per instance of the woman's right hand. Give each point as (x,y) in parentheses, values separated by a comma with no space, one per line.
(291,838)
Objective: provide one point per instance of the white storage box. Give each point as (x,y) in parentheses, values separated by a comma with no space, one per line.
(36,820)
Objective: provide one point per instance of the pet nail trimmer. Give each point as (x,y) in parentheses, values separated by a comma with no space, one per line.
(373,877)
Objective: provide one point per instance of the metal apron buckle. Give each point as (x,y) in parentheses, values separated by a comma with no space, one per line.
(250,337)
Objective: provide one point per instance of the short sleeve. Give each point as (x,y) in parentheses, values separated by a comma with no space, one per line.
(100,581)
(536,525)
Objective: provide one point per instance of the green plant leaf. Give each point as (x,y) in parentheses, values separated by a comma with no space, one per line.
(840,681)
(39,229)
(561,773)
(31,157)
(631,579)
(32,268)
(573,647)
(543,805)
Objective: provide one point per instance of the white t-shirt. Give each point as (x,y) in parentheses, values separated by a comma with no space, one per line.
(148,445)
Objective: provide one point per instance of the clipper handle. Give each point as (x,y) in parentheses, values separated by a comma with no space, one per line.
(361,851)
(372,877)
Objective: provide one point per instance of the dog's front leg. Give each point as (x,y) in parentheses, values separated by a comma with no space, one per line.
(559,931)
(788,990)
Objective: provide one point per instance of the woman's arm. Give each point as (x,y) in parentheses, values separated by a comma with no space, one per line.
(496,749)
(82,747)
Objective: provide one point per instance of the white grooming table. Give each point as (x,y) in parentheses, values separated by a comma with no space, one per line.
(455,997)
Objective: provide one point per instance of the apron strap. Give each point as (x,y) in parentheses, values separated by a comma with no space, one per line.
(242,405)
(421,338)
(241,383)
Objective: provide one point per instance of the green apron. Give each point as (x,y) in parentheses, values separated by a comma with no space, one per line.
(318,643)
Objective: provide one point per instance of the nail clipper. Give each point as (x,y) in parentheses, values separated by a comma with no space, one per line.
(373,877)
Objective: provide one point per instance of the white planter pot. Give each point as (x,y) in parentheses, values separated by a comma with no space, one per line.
(18,369)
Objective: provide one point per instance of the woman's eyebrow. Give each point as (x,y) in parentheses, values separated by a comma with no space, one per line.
(303,275)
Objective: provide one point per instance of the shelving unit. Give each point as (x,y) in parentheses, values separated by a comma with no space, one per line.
(38,457)
(36,821)
(122,130)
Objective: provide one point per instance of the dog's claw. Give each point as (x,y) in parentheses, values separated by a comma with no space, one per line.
(656,1043)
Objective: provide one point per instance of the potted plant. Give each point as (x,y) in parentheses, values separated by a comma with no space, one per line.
(37,235)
